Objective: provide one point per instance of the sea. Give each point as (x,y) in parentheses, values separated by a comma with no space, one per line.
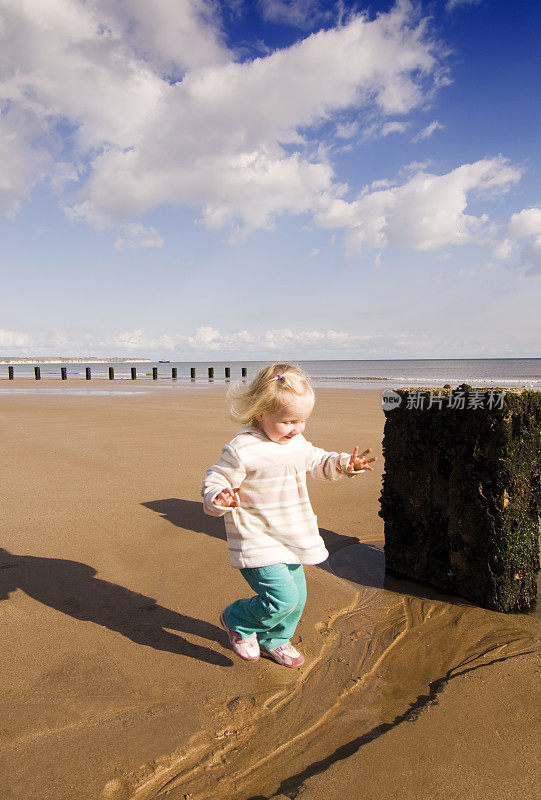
(518,373)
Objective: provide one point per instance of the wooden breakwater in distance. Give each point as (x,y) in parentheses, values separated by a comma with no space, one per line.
(133,373)
(461,495)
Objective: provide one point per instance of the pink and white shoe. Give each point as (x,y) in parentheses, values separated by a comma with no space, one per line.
(285,654)
(248,649)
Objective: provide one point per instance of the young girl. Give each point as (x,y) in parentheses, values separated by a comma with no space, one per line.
(259,485)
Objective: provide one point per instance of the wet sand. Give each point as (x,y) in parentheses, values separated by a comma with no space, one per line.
(117,681)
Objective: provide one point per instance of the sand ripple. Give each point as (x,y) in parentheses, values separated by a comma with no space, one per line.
(381,659)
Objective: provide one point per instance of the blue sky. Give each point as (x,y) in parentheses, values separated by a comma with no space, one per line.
(191,179)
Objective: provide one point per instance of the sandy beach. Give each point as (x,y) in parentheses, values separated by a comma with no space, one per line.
(117,681)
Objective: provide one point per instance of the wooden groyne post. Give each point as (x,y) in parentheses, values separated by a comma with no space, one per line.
(461,493)
(174,373)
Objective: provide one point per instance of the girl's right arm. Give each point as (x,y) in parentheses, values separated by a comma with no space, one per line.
(227,473)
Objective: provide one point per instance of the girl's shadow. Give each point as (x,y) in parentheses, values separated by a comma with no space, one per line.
(70,587)
(359,562)
(189,515)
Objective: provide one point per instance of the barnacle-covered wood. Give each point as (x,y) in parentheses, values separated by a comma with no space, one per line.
(461,494)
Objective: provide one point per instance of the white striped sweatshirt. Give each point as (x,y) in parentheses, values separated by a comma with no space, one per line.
(275,522)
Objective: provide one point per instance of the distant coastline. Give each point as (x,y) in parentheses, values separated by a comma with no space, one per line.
(59,360)
(348,373)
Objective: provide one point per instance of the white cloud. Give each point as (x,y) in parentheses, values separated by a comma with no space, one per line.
(58,337)
(132,340)
(170,36)
(346,130)
(210,339)
(14,339)
(136,236)
(208,342)
(452,4)
(526,223)
(425,213)
(428,131)
(286,338)
(393,127)
(152,107)
(61,174)
(531,257)
(206,338)
(299,13)
(137,105)
(504,249)
(21,165)
(381,129)
(416,166)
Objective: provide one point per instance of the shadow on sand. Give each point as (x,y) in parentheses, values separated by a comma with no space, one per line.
(73,589)
(189,515)
(356,561)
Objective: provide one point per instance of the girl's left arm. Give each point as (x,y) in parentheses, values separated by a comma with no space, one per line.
(324,465)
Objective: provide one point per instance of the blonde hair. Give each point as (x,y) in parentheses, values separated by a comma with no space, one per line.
(271,389)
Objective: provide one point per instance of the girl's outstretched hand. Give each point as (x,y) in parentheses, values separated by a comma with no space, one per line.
(227,498)
(359,462)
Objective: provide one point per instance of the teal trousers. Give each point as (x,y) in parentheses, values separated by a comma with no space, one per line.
(274,612)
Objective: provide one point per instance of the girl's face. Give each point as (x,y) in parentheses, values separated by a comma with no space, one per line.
(289,421)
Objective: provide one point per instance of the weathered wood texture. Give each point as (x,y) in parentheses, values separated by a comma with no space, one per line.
(461,496)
